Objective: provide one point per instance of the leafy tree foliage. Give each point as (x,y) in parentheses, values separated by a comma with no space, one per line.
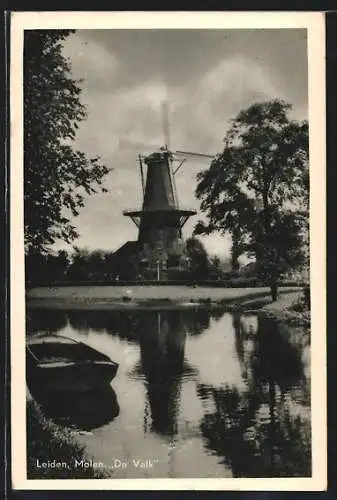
(46,268)
(56,177)
(198,258)
(257,189)
(93,265)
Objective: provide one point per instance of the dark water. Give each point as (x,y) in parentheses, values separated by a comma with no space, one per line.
(200,393)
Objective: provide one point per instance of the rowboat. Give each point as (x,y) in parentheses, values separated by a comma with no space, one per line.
(57,362)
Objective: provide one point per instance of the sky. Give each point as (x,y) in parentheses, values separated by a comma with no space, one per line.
(205,76)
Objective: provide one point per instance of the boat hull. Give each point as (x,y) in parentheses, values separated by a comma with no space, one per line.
(77,377)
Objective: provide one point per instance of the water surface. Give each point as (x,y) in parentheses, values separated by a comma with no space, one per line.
(199,393)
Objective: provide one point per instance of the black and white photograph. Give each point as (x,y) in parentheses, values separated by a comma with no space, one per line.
(168,202)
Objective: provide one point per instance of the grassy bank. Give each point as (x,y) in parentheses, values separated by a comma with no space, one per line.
(289,308)
(105,297)
(53,452)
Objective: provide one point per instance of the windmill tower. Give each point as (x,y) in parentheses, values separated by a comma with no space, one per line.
(161,219)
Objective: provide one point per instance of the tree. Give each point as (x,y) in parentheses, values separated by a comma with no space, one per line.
(56,177)
(258,187)
(280,249)
(56,266)
(96,264)
(46,268)
(198,258)
(78,269)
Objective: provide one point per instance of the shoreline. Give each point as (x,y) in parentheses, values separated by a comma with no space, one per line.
(246,300)
(50,446)
(153,298)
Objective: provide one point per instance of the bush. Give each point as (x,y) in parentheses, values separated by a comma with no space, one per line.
(206,300)
(303,302)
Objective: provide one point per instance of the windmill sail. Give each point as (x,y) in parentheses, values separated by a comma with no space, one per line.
(166,124)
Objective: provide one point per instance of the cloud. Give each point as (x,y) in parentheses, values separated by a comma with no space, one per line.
(238,74)
(233,84)
(90,61)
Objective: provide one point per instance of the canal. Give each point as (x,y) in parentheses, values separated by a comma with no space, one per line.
(199,393)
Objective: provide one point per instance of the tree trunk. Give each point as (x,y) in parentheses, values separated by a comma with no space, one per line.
(236,250)
(235,263)
(274,289)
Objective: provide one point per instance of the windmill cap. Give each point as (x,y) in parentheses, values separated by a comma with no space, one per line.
(157,157)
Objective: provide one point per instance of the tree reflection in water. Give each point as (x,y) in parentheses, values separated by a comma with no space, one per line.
(257,432)
(196,321)
(45,320)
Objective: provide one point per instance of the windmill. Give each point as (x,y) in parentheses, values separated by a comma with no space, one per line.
(161,218)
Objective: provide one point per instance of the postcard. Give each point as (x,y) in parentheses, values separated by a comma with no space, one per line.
(167,184)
